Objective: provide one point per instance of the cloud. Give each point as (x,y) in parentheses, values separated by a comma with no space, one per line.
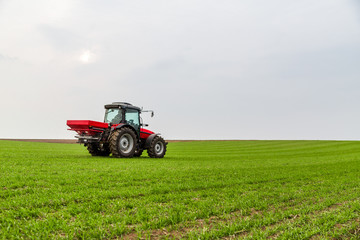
(61,38)
(357,7)
(7,58)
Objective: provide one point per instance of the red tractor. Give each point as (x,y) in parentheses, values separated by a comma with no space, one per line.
(121,133)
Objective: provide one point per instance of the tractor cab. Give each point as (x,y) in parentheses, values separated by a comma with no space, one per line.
(123,113)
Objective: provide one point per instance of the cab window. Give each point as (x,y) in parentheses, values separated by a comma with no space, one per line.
(132,117)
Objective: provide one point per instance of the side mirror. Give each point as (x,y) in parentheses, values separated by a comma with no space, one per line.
(152,112)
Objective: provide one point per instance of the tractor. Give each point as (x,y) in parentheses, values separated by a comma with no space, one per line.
(121,134)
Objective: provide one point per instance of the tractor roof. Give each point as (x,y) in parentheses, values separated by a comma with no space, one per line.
(121,104)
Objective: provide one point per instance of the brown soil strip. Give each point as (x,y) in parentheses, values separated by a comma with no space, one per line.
(42,140)
(75,140)
(72,140)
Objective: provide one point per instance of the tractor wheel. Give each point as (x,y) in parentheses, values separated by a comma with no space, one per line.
(157,148)
(138,152)
(95,149)
(123,143)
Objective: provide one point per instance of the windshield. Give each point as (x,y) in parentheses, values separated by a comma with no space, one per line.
(113,115)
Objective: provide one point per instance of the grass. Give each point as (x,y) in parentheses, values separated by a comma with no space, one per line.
(200,190)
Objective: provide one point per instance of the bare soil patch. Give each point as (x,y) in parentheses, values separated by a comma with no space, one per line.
(43,140)
(75,140)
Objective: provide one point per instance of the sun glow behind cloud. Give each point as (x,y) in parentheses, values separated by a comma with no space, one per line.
(87,57)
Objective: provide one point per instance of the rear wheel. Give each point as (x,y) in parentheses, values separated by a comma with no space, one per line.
(96,149)
(123,143)
(157,148)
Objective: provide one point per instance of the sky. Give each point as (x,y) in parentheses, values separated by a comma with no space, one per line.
(250,69)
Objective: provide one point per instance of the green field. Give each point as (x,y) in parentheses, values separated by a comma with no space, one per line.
(202,189)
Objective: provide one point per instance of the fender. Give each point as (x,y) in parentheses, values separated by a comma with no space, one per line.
(149,140)
(121,125)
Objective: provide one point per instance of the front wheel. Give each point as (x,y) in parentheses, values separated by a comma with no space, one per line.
(157,148)
(123,143)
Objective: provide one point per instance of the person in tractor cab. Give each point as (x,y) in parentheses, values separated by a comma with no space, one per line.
(117,118)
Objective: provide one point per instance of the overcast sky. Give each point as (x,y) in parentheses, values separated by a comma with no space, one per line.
(250,69)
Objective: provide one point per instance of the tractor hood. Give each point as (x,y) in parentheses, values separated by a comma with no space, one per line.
(144,133)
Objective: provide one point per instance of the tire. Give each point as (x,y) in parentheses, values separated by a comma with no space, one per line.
(95,149)
(138,152)
(157,148)
(123,143)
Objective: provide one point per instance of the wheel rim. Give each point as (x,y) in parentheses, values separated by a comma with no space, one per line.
(126,143)
(159,148)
